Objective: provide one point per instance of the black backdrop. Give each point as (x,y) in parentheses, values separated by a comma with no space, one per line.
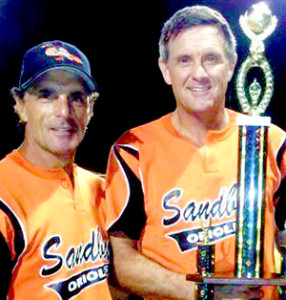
(120,39)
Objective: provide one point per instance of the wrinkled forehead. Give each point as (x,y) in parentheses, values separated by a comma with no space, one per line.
(210,30)
(209,37)
(58,79)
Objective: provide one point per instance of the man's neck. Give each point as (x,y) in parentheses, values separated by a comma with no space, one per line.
(48,160)
(194,127)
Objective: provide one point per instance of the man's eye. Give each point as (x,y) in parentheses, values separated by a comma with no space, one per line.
(46,94)
(184,59)
(211,59)
(77,98)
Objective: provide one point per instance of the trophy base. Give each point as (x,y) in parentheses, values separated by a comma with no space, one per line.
(275,280)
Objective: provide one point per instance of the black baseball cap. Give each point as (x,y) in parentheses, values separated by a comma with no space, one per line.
(55,55)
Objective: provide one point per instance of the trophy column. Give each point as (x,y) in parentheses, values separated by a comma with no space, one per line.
(250,202)
(205,262)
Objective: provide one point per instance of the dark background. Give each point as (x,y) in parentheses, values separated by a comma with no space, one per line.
(120,39)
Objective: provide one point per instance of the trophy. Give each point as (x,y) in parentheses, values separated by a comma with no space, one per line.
(257,24)
(254,95)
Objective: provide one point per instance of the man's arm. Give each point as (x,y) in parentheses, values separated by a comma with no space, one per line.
(142,276)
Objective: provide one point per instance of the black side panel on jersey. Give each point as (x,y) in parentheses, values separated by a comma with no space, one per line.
(133,219)
(5,268)
(19,240)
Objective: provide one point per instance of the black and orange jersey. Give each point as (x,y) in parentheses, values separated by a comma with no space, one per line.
(160,186)
(51,232)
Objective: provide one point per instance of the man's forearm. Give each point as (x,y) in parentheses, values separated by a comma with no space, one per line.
(142,276)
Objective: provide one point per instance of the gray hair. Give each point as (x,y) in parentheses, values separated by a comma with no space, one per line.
(194,16)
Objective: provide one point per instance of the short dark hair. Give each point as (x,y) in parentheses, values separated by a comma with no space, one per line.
(191,16)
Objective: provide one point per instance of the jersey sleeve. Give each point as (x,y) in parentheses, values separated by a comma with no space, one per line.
(124,193)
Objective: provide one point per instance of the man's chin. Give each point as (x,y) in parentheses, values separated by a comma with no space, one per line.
(64,145)
(64,151)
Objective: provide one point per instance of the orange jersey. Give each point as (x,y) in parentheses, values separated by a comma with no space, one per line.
(159,186)
(52,231)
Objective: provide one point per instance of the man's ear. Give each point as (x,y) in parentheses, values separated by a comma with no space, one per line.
(90,104)
(163,65)
(232,65)
(19,105)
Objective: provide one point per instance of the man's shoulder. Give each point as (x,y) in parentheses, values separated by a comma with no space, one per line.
(8,163)
(277,129)
(277,137)
(142,132)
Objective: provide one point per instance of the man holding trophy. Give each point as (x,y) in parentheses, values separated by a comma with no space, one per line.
(168,177)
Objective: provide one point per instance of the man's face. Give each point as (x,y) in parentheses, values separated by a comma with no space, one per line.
(56,111)
(198,69)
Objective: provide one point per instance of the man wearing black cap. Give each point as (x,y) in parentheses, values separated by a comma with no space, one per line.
(51,242)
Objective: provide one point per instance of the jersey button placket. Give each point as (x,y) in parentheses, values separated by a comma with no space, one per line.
(64,183)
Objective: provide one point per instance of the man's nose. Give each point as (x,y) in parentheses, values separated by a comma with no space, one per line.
(62,106)
(199,72)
